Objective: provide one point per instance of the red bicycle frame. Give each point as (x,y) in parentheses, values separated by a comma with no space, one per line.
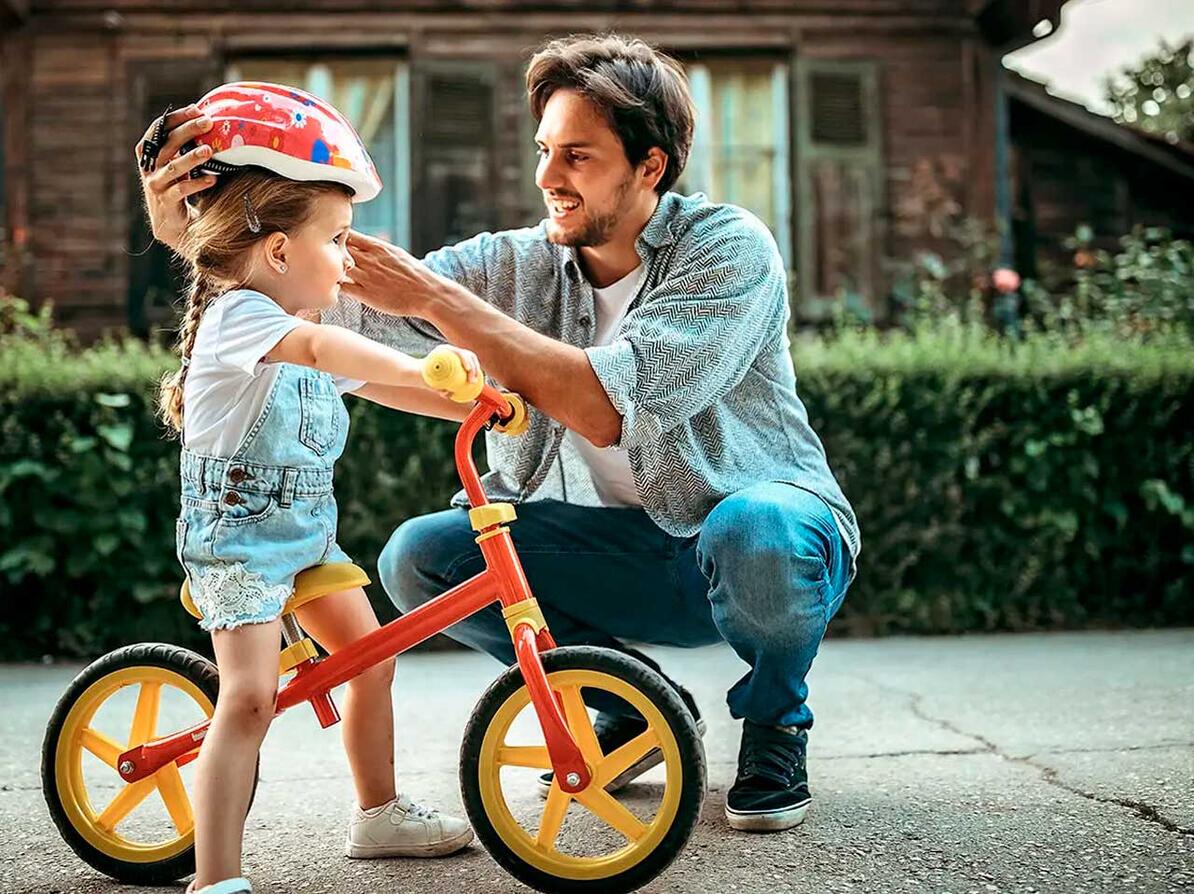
(502,581)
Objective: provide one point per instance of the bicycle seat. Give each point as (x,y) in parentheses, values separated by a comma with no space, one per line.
(309,585)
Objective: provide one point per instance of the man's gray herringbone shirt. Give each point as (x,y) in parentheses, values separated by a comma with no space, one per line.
(700,368)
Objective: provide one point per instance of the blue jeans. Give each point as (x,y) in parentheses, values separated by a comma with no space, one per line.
(766,573)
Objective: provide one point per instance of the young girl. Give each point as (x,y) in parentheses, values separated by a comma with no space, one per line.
(257,403)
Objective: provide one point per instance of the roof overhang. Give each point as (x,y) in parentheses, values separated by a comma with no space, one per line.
(1177,159)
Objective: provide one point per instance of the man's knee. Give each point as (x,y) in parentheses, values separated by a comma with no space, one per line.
(418,557)
(769,541)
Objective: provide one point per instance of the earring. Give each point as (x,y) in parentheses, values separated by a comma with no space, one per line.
(281,268)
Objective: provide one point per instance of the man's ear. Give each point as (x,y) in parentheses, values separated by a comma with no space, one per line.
(653,166)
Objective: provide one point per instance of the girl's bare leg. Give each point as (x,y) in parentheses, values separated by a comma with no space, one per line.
(248,661)
(368,715)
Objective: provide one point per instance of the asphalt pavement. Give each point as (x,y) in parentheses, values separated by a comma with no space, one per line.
(970,765)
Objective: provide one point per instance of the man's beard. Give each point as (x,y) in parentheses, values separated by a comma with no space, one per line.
(600,227)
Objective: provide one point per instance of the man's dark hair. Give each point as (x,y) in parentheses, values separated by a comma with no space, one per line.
(642,93)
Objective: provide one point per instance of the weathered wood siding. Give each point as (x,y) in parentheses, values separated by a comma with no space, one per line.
(90,66)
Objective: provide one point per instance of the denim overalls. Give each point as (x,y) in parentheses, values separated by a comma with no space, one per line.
(250,523)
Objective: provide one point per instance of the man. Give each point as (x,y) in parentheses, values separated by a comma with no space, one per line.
(672,490)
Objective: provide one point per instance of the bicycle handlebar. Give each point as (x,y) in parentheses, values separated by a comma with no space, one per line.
(444,371)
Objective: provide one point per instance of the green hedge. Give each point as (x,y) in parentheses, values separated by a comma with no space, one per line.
(1040,486)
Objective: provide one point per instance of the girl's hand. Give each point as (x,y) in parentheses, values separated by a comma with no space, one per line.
(472,365)
(168,183)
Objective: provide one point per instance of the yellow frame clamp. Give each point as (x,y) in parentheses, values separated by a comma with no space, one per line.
(525,612)
(294,655)
(491,514)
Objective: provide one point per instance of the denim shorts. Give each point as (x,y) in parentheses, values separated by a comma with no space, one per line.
(246,530)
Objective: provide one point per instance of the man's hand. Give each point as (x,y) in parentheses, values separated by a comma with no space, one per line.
(167,185)
(391,280)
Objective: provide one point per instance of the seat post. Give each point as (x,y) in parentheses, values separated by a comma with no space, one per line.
(291,632)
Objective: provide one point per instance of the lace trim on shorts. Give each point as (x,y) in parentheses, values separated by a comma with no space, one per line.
(229,595)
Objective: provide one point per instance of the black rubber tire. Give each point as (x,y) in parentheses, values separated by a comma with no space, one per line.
(679,719)
(188,664)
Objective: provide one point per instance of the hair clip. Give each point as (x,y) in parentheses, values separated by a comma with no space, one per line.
(185,362)
(251,217)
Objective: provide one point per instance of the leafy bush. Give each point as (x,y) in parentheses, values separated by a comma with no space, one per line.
(999,485)
(1144,287)
(1011,486)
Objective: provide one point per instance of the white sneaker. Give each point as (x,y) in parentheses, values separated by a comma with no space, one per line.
(403,828)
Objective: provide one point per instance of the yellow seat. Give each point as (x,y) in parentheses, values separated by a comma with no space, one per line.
(309,585)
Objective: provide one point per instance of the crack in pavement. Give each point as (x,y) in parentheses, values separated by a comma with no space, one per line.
(1142,810)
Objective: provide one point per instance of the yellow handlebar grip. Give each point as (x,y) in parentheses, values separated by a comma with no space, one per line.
(443,370)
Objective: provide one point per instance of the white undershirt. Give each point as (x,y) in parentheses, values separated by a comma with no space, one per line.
(610,466)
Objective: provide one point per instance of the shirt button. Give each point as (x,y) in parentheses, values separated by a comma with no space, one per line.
(232,498)
(237,475)
(584,321)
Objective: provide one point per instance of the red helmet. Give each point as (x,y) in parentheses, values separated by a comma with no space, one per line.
(287,131)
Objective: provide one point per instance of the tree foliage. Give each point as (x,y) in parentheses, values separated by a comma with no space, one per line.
(1157,94)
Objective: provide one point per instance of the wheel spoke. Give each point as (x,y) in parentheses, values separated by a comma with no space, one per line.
(621,759)
(554,811)
(580,725)
(101,746)
(174,796)
(124,803)
(533,756)
(606,807)
(145,716)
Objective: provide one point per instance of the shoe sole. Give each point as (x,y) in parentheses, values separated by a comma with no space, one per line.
(437,849)
(652,758)
(767,821)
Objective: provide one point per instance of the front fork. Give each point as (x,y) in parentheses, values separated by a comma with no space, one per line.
(572,774)
(528,630)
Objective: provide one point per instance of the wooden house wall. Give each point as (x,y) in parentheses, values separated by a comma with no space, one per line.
(89,63)
(1066,178)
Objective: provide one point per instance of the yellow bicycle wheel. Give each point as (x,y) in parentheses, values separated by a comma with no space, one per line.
(143,832)
(588,841)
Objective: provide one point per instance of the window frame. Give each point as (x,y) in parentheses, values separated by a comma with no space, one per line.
(700,157)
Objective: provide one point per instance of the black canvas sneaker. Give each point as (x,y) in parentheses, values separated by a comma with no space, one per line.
(771,792)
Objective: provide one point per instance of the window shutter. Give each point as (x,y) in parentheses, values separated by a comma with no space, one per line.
(839,184)
(838,108)
(454,132)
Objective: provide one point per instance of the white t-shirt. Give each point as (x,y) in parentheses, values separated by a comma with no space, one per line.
(227,382)
(610,466)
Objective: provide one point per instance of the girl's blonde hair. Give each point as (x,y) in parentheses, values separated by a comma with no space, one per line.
(234,215)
